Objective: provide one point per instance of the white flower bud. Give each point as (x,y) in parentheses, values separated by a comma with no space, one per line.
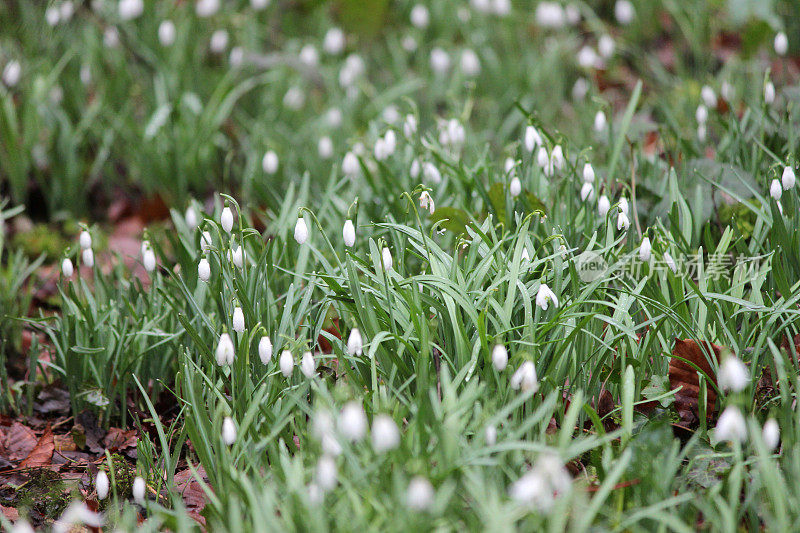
(219,41)
(733,375)
(771,434)
(191,217)
(532,138)
(349,233)
(603,205)
(355,344)
(309,56)
(225,351)
(111,37)
(130,9)
(769,93)
(52,16)
(775,190)
(325,147)
(600,122)
(205,241)
(515,187)
(326,473)
(788,178)
(490,435)
(139,489)
(334,41)
(238,320)
(101,485)
(709,97)
(226,219)
(386,255)
(286,363)
(645,250)
(228,431)
(207,8)
(623,222)
(426,202)
(270,162)
(352,421)
(86,239)
(440,61)
(166,33)
(420,17)
(701,114)
(605,45)
(624,12)
(499,357)
(265,349)
(470,64)
(385,435)
(781,44)
(588,173)
(670,262)
(410,126)
(525,378)
(301,231)
(587,192)
(149,260)
(308,365)
(544,296)
(87,256)
(419,496)
(66,267)
(731,425)
(237,256)
(350,165)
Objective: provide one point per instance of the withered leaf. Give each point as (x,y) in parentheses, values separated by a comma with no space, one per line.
(42,453)
(18,440)
(687,357)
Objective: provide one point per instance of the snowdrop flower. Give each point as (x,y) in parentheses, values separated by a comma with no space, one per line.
(12,73)
(294,98)
(501,8)
(352,421)
(308,365)
(385,435)
(509,164)
(701,133)
(149,260)
(207,8)
(270,162)
(645,250)
(85,240)
(191,217)
(238,320)
(353,69)
(701,114)
(426,202)
(420,17)
(775,190)
(226,219)
(333,42)
(101,484)
(771,434)
(580,89)
(410,126)
(670,262)
(603,205)
(431,173)
(87,256)
(600,122)
(525,378)
(259,5)
(349,233)
(111,37)
(419,496)
(66,10)
(166,33)
(550,15)
(309,56)
(709,98)
(541,486)
(381,150)
(542,159)
(733,374)
(350,165)
(325,147)
(605,45)
(286,363)
(587,192)
(355,344)
(390,138)
(386,255)
(219,41)
(515,187)
(588,58)
(334,117)
(525,256)
(623,206)
(731,425)
(544,296)
(788,178)
(409,44)
(769,93)
(390,114)
(573,14)
(414,169)
(225,352)
(440,61)
(624,12)
(490,435)
(228,431)
(237,256)
(623,222)
(727,91)
(130,9)
(138,490)
(301,231)
(532,138)
(557,158)
(236,58)
(52,16)
(470,64)
(205,241)
(499,357)
(77,514)
(265,349)
(326,473)
(588,173)
(781,44)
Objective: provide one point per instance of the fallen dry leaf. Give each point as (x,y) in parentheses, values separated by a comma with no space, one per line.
(119,439)
(42,453)
(18,440)
(687,357)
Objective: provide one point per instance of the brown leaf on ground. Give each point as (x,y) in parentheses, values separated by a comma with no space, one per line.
(10,513)
(193,495)
(687,357)
(120,439)
(42,453)
(18,441)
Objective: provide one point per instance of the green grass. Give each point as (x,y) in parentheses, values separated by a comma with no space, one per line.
(179,122)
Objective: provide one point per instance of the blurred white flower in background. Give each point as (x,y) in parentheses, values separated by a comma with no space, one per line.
(87,256)
(543,484)
(269,163)
(166,33)
(605,45)
(309,56)
(771,434)
(524,378)
(259,5)
(265,349)
(207,8)
(228,431)
(708,96)
(588,58)
(111,37)
(470,64)
(334,117)
(350,165)
(624,12)
(77,514)
(101,485)
(587,192)
(294,98)
(731,425)
(733,374)
(431,173)
(419,495)
(781,44)
(129,9)
(499,357)
(501,8)
(550,15)
(334,41)
(52,16)
(219,41)
(12,73)
(420,17)
(385,435)
(236,58)
(352,422)
(138,490)
(769,93)
(325,147)
(326,473)
(701,114)
(515,187)
(440,61)
(580,89)
(600,122)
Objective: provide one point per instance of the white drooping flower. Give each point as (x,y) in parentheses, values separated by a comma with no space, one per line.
(557,158)
(781,43)
(191,217)
(204,270)
(87,256)
(226,219)
(286,363)
(587,192)
(543,159)
(308,365)
(588,173)
(350,165)
(349,233)
(309,56)
(769,93)
(525,378)
(775,190)
(259,5)
(788,178)
(670,262)
(334,41)
(431,173)
(701,114)
(385,435)
(603,205)
(605,45)
(426,202)
(588,58)
(623,222)
(600,122)
(623,206)
(228,431)
(515,187)
(440,61)
(645,250)
(420,17)
(771,434)
(85,240)
(733,374)
(325,147)
(490,435)
(326,474)
(52,16)
(101,485)
(270,162)
(294,98)
(111,37)
(352,421)
(149,260)
(708,96)
(381,151)
(130,9)
(532,138)
(410,126)
(77,514)
(701,132)
(550,15)
(334,117)
(138,490)
(581,88)
(237,256)
(166,33)
(352,70)
(390,141)
(218,42)
(543,484)
(470,64)
(265,349)
(731,425)
(238,320)
(624,12)
(419,495)
(501,8)
(386,256)
(301,231)
(544,296)
(205,241)
(225,351)
(355,344)
(509,165)
(499,357)
(207,8)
